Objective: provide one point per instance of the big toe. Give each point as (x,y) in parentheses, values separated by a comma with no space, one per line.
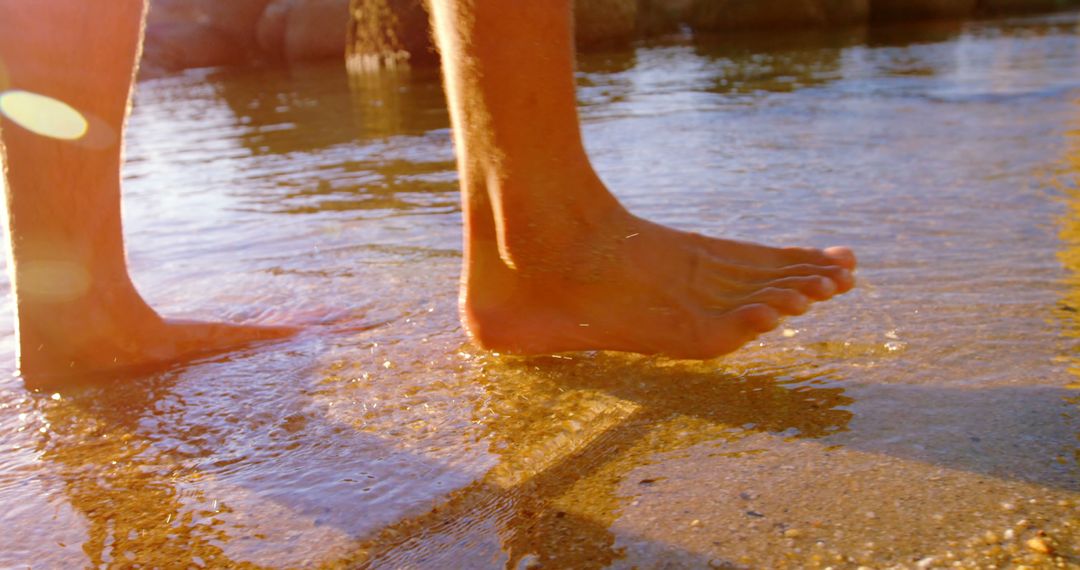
(732,330)
(842,256)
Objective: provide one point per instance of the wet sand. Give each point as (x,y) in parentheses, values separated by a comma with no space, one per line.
(927,420)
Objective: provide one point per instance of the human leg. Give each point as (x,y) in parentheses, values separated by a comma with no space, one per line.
(76,307)
(553,262)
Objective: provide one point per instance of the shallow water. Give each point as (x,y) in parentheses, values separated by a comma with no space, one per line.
(929,417)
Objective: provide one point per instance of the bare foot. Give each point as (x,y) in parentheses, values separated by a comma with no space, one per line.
(624,283)
(77,311)
(81,338)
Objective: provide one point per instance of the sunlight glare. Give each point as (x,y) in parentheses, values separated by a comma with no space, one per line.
(54,281)
(43,115)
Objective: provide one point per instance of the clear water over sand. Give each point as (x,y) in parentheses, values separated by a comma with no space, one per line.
(929,417)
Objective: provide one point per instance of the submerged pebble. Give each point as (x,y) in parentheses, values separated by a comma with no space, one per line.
(1040,545)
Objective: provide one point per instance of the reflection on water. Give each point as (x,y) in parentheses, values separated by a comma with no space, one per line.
(928,418)
(129,493)
(1067,182)
(566,432)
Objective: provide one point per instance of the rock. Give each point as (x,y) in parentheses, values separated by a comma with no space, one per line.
(316,30)
(270,30)
(899,10)
(298,30)
(176,46)
(604,21)
(181,34)
(717,15)
(1040,545)
(233,18)
(387,33)
(661,16)
(1017,6)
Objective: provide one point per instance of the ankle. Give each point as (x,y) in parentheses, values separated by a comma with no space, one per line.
(100,320)
(545,225)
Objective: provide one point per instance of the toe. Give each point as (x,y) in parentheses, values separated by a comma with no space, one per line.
(763,256)
(750,275)
(757,318)
(729,331)
(819,282)
(787,301)
(843,280)
(842,256)
(803,255)
(813,280)
(816,287)
(736,328)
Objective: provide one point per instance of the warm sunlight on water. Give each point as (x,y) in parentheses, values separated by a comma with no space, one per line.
(926,419)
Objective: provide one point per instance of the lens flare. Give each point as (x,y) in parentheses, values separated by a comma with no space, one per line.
(55,281)
(43,115)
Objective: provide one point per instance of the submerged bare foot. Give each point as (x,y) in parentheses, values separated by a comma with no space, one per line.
(81,338)
(618,282)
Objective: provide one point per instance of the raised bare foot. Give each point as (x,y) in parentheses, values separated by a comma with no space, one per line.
(552,261)
(623,283)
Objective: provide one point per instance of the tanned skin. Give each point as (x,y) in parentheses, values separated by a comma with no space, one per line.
(553,262)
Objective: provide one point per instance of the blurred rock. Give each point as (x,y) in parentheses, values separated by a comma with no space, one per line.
(199,33)
(233,18)
(605,21)
(181,45)
(722,15)
(899,10)
(298,30)
(656,17)
(181,34)
(387,34)
(1017,6)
